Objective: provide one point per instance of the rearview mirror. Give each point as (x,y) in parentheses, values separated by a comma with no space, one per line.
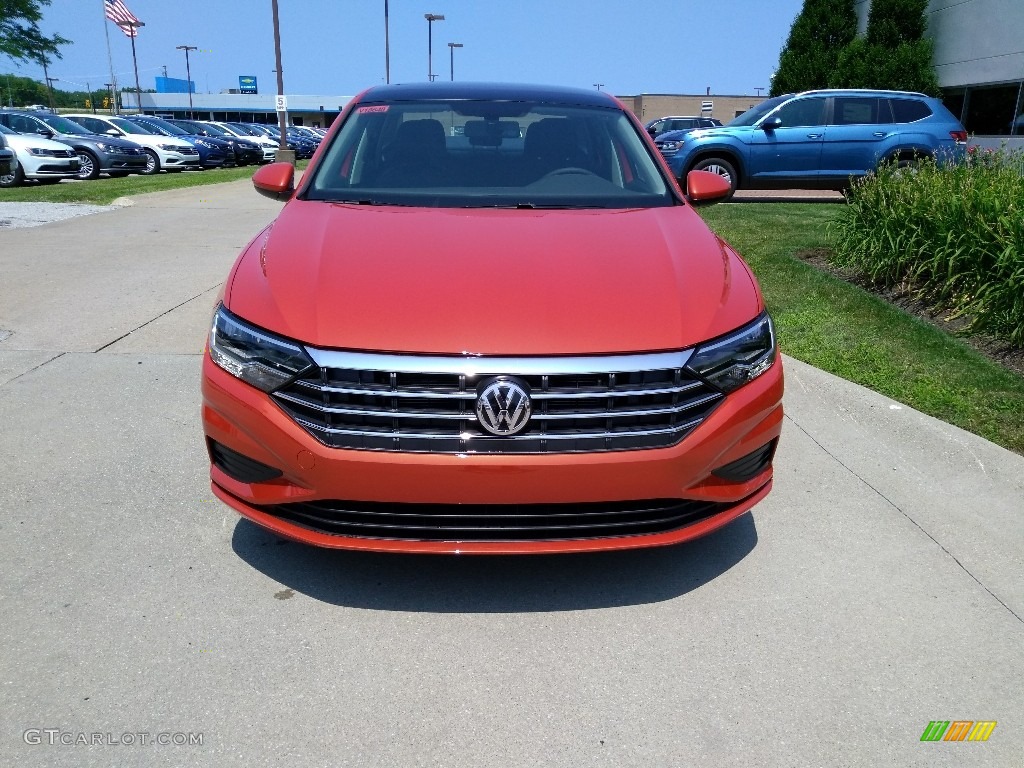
(276,181)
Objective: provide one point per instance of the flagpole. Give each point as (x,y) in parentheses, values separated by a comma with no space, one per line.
(110,60)
(134,26)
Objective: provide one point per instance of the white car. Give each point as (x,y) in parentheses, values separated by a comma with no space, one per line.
(37,158)
(269,147)
(167,153)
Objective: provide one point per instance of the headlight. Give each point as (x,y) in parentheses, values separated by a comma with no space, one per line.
(733,360)
(170,147)
(252,355)
(669,146)
(108,148)
(38,152)
(207,144)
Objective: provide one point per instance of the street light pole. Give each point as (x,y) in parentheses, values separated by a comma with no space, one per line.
(451,51)
(283,153)
(431,18)
(188,73)
(49,83)
(387,46)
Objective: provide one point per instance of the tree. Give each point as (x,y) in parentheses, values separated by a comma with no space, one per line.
(893,55)
(20,36)
(819,33)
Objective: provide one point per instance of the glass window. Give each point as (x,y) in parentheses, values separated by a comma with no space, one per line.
(860,110)
(992,110)
(480,154)
(754,114)
(23,124)
(802,112)
(909,110)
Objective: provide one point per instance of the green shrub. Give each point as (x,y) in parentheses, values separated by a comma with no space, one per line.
(952,234)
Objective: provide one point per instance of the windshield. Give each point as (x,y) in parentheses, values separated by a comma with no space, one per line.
(215,129)
(61,125)
(8,131)
(479,154)
(128,126)
(162,125)
(754,114)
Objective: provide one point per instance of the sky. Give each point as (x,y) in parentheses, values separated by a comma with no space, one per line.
(336,47)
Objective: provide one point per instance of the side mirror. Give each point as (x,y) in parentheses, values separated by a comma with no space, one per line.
(771,124)
(276,181)
(112,132)
(46,133)
(706,187)
(653,131)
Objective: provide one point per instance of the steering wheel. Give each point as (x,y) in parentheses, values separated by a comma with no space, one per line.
(569,171)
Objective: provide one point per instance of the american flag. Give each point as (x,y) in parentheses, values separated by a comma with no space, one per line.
(118,13)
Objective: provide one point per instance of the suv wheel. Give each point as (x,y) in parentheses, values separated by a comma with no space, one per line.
(152,163)
(88,165)
(722,167)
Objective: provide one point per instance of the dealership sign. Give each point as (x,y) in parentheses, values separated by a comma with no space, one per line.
(247,84)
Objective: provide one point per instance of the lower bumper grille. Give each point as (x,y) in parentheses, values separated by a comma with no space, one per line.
(495,522)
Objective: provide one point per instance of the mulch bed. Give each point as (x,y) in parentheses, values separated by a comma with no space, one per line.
(1010,357)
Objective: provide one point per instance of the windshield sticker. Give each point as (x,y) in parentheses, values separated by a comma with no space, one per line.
(377,108)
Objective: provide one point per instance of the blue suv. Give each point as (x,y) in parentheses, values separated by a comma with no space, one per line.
(821,139)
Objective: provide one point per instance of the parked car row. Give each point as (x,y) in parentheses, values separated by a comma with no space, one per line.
(42,146)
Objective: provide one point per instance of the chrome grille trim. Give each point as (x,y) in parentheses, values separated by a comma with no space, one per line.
(477,365)
(426,403)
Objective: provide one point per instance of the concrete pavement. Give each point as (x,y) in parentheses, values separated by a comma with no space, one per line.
(879,587)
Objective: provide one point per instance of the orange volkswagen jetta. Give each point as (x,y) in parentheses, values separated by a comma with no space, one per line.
(487,320)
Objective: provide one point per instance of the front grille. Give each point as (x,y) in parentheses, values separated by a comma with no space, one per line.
(188,151)
(495,522)
(428,404)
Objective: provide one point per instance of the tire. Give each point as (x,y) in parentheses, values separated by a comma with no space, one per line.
(152,163)
(720,166)
(13,179)
(89,165)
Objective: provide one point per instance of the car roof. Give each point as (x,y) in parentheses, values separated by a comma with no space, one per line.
(857,92)
(497,91)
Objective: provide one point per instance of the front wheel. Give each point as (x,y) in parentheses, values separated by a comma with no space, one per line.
(13,179)
(152,163)
(88,165)
(720,166)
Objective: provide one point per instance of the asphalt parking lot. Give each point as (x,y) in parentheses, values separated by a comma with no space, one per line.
(878,588)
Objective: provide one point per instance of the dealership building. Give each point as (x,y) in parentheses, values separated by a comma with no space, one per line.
(979,60)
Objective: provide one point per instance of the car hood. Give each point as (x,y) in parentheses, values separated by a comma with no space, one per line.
(491,282)
(723,131)
(24,141)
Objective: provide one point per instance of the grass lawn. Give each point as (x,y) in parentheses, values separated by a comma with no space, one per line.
(847,331)
(103,190)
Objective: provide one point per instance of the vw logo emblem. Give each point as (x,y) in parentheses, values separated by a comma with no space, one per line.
(503,406)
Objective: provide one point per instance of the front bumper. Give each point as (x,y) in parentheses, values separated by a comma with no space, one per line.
(249,422)
(178,160)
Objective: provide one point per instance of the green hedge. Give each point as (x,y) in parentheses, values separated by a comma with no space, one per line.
(952,234)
